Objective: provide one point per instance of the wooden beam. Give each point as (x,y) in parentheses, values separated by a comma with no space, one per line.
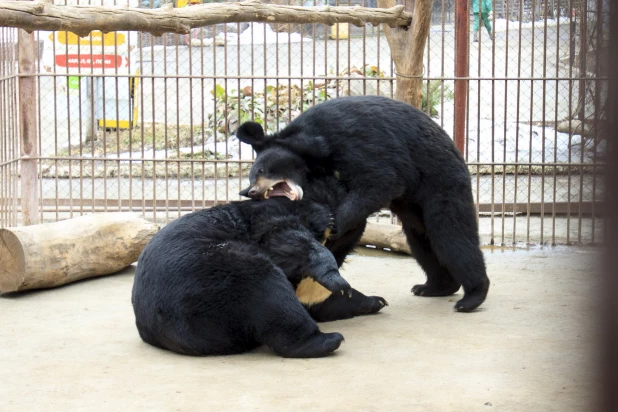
(84,19)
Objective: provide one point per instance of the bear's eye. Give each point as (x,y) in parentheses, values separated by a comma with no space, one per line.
(260,171)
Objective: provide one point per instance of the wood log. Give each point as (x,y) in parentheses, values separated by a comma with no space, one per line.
(82,20)
(52,254)
(385,236)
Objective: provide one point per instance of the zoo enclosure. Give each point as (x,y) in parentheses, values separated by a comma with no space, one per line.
(133,122)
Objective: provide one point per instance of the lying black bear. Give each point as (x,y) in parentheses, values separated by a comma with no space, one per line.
(227,279)
(387,154)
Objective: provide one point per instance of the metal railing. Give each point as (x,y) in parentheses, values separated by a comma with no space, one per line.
(132,122)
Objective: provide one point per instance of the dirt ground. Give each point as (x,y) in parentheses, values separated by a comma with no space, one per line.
(529,348)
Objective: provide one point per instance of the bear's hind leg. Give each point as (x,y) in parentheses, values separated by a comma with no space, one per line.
(439,281)
(450,222)
(283,324)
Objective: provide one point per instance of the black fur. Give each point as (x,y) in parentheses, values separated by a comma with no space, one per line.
(388,154)
(222,281)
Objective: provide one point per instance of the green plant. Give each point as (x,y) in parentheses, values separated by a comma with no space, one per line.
(429,105)
(276,104)
(284,102)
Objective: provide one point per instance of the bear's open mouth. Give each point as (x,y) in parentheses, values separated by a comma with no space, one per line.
(284,189)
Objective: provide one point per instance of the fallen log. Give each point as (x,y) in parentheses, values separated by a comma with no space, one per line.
(53,254)
(385,236)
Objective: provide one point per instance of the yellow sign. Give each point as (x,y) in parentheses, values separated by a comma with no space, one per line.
(96,38)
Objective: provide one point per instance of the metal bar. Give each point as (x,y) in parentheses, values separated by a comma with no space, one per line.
(141,122)
(118,109)
(543,113)
(493,131)
(12,161)
(152,68)
(177,125)
(81,135)
(583,47)
(517,117)
(14,75)
(571,165)
(103,104)
(600,30)
(585,208)
(506,88)
(462,23)
(554,189)
(56,119)
(28,128)
(572,30)
(203,111)
(132,120)
(538,208)
(531,134)
(15,138)
(165,126)
(190,108)
(318,77)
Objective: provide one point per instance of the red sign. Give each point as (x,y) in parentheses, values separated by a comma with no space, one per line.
(87,61)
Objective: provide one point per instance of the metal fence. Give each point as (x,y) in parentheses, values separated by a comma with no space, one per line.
(9,129)
(131,122)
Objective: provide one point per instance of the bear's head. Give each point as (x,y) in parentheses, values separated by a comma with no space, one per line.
(281,167)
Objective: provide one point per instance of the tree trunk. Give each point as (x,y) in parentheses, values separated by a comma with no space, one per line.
(52,254)
(407,46)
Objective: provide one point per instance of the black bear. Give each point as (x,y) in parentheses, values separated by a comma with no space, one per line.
(386,154)
(226,279)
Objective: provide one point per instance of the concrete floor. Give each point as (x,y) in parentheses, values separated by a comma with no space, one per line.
(529,348)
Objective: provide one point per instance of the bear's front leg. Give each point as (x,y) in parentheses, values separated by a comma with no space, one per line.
(324,269)
(354,210)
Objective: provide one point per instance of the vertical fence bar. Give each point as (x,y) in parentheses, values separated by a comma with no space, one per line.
(531,114)
(462,23)
(27,127)
(40,132)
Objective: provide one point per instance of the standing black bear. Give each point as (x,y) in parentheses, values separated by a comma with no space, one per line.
(386,153)
(227,279)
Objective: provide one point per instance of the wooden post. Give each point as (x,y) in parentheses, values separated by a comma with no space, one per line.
(407,46)
(28,128)
(462,38)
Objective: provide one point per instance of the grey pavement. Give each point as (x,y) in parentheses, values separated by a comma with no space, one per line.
(530,347)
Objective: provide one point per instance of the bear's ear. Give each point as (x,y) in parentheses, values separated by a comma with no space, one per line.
(252,133)
(245,192)
(314,147)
